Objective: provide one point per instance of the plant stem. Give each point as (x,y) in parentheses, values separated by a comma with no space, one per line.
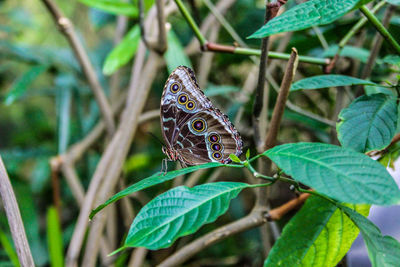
(383,31)
(14,218)
(191,22)
(358,26)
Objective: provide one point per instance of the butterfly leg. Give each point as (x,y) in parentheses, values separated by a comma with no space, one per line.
(164,166)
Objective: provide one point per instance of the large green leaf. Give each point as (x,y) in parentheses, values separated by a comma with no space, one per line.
(20,86)
(179,212)
(383,251)
(123,52)
(113,7)
(175,55)
(155,179)
(306,15)
(369,123)
(54,238)
(325,81)
(325,237)
(340,173)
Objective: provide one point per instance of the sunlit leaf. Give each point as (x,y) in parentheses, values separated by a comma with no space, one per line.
(7,247)
(369,123)
(306,15)
(325,237)
(113,7)
(179,212)
(20,86)
(123,52)
(340,173)
(155,179)
(325,81)
(383,251)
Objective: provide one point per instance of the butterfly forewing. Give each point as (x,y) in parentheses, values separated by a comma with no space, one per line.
(192,128)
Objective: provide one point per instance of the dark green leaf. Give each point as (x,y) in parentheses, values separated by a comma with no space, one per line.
(113,7)
(175,55)
(54,238)
(155,179)
(369,123)
(179,212)
(20,86)
(382,250)
(392,59)
(306,15)
(340,173)
(123,52)
(325,81)
(214,90)
(349,51)
(326,235)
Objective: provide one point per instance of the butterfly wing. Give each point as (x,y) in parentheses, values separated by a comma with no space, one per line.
(181,83)
(192,127)
(208,136)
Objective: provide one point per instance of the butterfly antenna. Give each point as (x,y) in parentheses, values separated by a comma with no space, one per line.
(155,137)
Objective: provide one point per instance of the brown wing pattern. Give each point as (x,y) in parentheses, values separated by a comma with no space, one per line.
(192,127)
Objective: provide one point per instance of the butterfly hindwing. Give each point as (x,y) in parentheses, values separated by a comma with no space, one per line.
(193,129)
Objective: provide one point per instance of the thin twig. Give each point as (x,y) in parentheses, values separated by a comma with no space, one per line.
(377,44)
(277,213)
(380,28)
(14,219)
(66,27)
(279,108)
(254,219)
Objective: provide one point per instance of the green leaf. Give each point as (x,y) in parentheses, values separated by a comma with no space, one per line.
(123,52)
(64,84)
(369,123)
(175,55)
(113,6)
(382,250)
(20,86)
(214,90)
(7,247)
(392,59)
(248,153)
(340,173)
(349,51)
(325,81)
(306,15)
(234,158)
(179,212)
(325,237)
(155,179)
(394,2)
(54,238)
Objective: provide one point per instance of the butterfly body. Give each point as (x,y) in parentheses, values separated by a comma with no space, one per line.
(194,131)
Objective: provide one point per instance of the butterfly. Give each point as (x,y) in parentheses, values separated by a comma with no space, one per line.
(195,132)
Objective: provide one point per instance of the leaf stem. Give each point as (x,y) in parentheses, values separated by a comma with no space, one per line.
(382,30)
(191,22)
